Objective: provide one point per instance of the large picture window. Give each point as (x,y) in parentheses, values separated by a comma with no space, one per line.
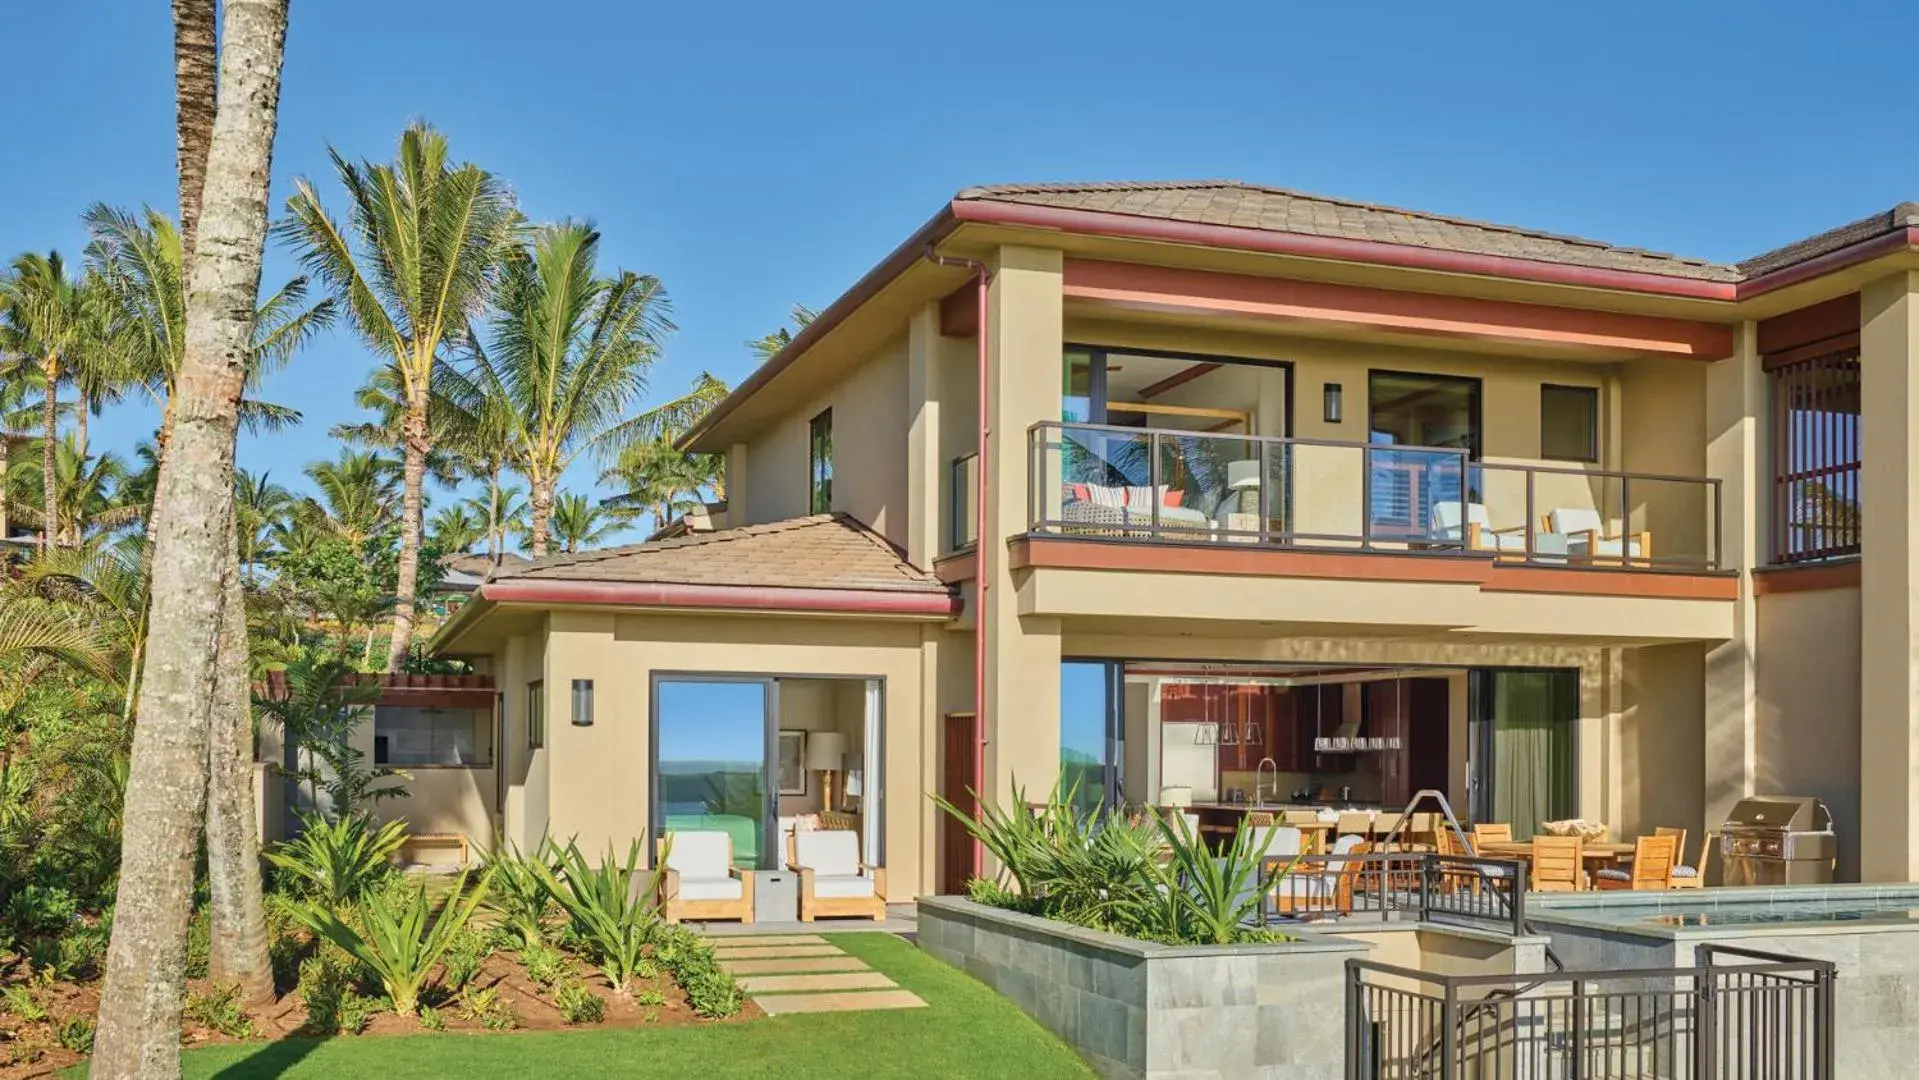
(820,463)
(411,735)
(1815,453)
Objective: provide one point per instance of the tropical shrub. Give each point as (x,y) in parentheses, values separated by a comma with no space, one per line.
(609,906)
(22,1002)
(199,944)
(324,984)
(432,1019)
(711,991)
(544,965)
(401,941)
(650,998)
(220,1009)
(338,862)
(75,1033)
(520,899)
(464,958)
(488,1009)
(578,1005)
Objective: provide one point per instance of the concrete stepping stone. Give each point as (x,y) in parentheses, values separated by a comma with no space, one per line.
(793,965)
(846,1001)
(744,942)
(767,952)
(790,984)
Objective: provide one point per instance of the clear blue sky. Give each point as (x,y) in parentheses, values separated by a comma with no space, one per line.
(757,155)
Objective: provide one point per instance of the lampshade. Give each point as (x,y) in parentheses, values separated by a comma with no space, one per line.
(824,749)
(1242,474)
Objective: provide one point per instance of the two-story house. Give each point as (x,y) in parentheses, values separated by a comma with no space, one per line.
(1208,492)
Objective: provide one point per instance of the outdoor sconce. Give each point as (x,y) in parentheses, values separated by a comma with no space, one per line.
(582,702)
(1333,403)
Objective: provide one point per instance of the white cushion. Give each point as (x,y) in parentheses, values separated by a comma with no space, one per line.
(1574,519)
(704,888)
(1298,886)
(700,854)
(1274,840)
(830,853)
(1614,875)
(842,885)
(1685,871)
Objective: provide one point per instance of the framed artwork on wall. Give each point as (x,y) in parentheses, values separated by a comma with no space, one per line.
(792,763)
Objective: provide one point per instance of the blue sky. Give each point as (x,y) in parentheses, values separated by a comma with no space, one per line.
(757,155)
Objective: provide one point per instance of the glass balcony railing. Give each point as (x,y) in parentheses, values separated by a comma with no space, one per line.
(1178,486)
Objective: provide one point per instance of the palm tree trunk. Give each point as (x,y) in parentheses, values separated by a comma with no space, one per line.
(237,911)
(80,424)
(542,491)
(494,542)
(5,525)
(196,93)
(50,431)
(412,503)
(139,1017)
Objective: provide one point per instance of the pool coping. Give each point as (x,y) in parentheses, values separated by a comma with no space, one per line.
(1563,909)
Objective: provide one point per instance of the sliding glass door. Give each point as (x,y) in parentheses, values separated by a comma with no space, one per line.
(1090,736)
(713,741)
(1524,727)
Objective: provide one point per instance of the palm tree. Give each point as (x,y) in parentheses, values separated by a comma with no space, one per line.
(89,497)
(581,523)
(194,574)
(15,420)
(768,345)
(455,528)
(504,508)
(414,265)
(42,319)
(359,492)
(382,395)
(568,352)
(658,479)
(258,503)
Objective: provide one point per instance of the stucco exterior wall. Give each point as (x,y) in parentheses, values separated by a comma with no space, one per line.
(1662,741)
(1808,723)
(445,800)
(597,776)
(870,423)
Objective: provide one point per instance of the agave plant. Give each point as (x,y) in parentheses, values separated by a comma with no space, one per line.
(400,938)
(339,862)
(613,916)
(1210,899)
(519,898)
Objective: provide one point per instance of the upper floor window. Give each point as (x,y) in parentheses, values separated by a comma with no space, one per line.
(819,454)
(413,735)
(1815,454)
(1569,423)
(536,714)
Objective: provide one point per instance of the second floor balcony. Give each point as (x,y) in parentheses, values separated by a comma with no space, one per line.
(1181,487)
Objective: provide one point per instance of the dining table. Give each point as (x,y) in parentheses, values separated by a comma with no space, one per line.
(1594,851)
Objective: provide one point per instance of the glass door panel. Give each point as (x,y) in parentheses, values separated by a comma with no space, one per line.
(711,753)
(1089,734)
(1522,762)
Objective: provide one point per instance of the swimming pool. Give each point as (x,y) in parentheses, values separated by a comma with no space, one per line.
(1777,907)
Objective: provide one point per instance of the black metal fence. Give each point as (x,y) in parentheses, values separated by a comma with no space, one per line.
(1737,1015)
(1401,885)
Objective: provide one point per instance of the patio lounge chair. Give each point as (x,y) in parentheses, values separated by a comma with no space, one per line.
(700,881)
(1587,541)
(1479,532)
(1327,891)
(1652,861)
(833,881)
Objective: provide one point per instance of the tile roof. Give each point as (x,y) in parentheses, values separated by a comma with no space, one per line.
(1903,216)
(1253,206)
(825,551)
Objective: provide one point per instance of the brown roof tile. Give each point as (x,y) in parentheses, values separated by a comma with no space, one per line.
(1251,206)
(1903,216)
(825,551)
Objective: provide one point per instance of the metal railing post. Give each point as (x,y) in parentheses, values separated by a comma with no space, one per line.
(1719,527)
(1426,870)
(1449,1033)
(1265,491)
(1365,496)
(1822,1023)
(1355,1021)
(1705,1021)
(1519,897)
(1152,481)
(1576,1069)
(1625,523)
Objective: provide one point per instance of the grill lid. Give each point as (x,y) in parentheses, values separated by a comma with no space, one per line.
(1785,813)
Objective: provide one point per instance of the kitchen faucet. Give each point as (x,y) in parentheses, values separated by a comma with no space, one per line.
(1259,770)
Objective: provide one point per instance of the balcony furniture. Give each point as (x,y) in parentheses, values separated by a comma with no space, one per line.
(1692,876)
(1322,892)
(447,840)
(1108,510)
(1259,819)
(1558,864)
(1588,541)
(1353,823)
(1497,832)
(1652,862)
(1301,817)
(833,881)
(700,880)
(1479,532)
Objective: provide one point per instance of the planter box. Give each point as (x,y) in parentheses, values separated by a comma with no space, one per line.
(1141,1011)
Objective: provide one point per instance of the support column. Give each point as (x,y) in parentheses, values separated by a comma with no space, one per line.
(1025,329)
(1889,609)
(1736,455)
(925,474)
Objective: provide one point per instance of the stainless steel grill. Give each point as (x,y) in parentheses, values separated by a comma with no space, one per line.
(1778,840)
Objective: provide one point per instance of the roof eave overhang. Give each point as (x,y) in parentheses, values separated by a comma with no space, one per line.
(878,603)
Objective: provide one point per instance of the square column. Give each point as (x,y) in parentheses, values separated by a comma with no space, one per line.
(925,473)
(1737,446)
(1889,552)
(1025,331)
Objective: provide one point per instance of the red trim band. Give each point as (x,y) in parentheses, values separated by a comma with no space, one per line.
(724,597)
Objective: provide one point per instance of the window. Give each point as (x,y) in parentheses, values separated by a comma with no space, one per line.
(820,463)
(536,714)
(1815,432)
(1569,423)
(1423,429)
(412,735)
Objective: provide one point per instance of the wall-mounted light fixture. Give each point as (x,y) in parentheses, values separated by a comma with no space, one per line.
(582,702)
(1334,409)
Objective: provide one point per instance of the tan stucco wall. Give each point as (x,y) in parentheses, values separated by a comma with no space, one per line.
(444,800)
(597,784)
(871,422)
(1807,735)
(1662,741)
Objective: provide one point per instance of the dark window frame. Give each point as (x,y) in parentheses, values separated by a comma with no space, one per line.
(1591,395)
(1475,406)
(536,714)
(819,463)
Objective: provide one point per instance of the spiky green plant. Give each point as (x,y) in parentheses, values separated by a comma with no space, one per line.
(520,898)
(339,862)
(613,912)
(400,939)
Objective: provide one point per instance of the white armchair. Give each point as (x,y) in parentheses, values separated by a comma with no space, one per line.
(1587,540)
(1476,532)
(833,881)
(700,880)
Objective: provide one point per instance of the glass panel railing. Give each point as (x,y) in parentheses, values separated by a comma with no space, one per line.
(1415,497)
(1588,518)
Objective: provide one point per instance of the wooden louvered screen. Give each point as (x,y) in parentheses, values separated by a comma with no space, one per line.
(1815,455)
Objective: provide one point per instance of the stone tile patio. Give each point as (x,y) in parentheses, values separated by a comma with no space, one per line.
(802,973)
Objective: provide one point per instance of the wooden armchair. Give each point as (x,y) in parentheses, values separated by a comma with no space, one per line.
(1558,864)
(1588,541)
(700,880)
(1652,862)
(833,881)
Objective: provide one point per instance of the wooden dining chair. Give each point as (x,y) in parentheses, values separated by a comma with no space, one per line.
(1423,831)
(1353,823)
(1652,862)
(1558,864)
(1691,875)
(1260,819)
(1497,832)
(1301,817)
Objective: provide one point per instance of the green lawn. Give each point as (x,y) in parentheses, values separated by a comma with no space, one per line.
(967,1031)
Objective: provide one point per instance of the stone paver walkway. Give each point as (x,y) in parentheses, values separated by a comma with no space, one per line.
(797,973)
